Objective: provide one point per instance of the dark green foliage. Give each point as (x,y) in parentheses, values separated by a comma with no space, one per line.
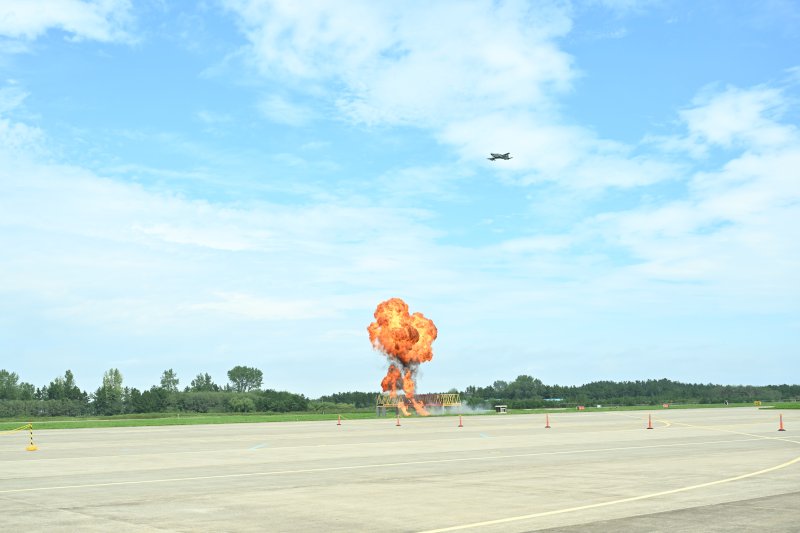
(62,397)
(526,392)
(169,381)
(202,402)
(245,378)
(108,399)
(280,401)
(241,403)
(356,399)
(203,383)
(155,400)
(63,389)
(34,408)
(11,389)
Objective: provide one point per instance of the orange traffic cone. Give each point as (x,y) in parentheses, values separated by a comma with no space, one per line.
(459,422)
(398,421)
(780,427)
(649,422)
(547,421)
(339,420)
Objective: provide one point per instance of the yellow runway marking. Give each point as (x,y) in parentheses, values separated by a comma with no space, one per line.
(364,467)
(614,502)
(636,498)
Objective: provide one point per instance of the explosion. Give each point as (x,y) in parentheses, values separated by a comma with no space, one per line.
(406,340)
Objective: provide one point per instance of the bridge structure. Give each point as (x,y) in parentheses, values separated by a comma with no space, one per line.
(385,401)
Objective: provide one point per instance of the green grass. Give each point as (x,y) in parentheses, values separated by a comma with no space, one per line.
(174,419)
(786,405)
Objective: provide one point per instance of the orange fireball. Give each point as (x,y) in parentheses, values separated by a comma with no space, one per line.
(406,340)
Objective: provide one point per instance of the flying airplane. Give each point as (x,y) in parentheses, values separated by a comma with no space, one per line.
(499,156)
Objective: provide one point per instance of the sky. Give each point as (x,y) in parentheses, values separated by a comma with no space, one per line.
(197,186)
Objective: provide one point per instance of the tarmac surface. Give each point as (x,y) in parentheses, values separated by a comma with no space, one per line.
(696,470)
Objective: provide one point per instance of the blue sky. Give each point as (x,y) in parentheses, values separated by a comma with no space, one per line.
(242,182)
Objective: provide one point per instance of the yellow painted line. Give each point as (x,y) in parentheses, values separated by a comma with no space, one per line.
(636,498)
(613,502)
(16,429)
(364,467)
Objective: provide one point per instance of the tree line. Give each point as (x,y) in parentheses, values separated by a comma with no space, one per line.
(62,397)
(243,393)
(529,392)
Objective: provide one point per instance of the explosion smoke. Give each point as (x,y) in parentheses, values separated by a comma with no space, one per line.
(406,340)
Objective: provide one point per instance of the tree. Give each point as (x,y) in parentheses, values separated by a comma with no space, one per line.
(155,400)
(132,398)
(203,383)
(8,385)
(241,404)
(525,387)
(108,398)
(11,389)
(280,401)
(169,381)
(245,378)
(63,389)
(500,387)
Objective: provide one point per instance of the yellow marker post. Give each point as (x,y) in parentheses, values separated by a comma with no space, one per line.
(31,447)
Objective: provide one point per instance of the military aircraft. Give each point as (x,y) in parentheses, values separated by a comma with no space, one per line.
(499,156)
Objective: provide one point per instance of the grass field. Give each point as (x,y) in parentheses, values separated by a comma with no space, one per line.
(787,405)
(173,419)
(181,419)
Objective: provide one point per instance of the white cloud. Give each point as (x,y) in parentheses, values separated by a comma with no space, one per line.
(91,249)
(255,308)
(81,247)
(11,97)
(16,136)
(212,117)
(624,6)
(483,76)
(484,79)
(736,231)
(544,151)
(545,243)
(100,20)
(738,117)
(428,181)
(72,200)
(416,63)
(279,109)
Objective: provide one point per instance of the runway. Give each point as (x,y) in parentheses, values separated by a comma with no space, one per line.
(696,470)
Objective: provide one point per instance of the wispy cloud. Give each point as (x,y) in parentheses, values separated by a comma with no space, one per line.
(99,20)
(255,308)
(278,109)
(735,230)
(212,117)
(737,116)
(11,97)
(16,136)
(419,64)
(267,242)
(481,76)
